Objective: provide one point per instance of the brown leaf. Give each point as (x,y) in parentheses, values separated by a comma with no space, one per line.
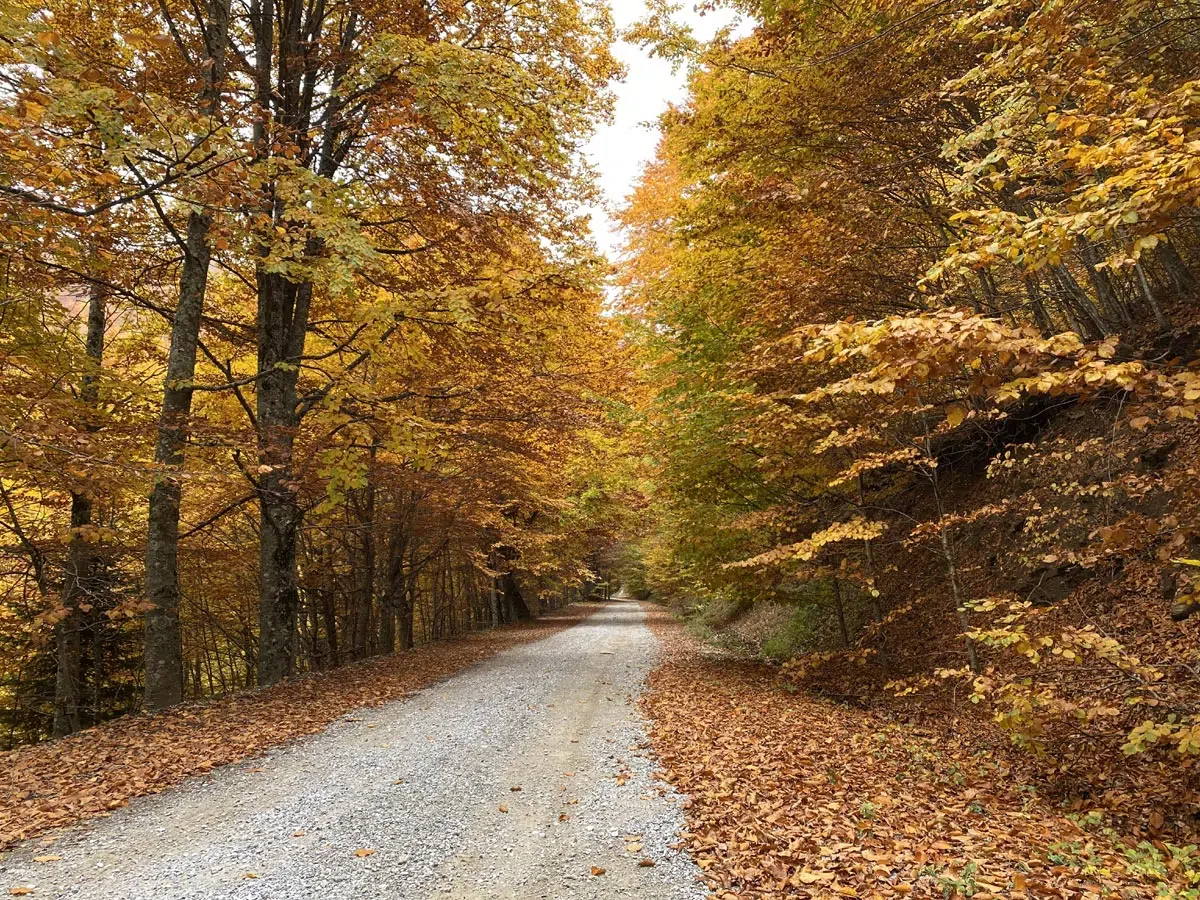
(49,857)
(364,851)
(597,870)
(20,891)
(503,808)
(646,862)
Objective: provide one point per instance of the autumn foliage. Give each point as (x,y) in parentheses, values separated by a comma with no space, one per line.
(301,353)
(913,287)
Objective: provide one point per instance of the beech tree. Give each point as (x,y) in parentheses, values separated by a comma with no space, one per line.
(345,242)
(880,252)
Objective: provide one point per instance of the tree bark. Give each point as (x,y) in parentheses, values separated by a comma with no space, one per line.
(841,612)
(514,600)
(78,580)
(163,636)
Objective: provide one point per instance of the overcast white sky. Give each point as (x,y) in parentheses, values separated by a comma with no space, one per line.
(620,150)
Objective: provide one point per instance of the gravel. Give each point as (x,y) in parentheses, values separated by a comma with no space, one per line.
(520,777)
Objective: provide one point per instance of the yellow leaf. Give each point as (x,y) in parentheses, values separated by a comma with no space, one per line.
(365,851)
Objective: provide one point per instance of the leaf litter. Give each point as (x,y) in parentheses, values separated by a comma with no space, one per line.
(791,796)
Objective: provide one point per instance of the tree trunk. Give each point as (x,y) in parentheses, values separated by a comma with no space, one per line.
(514,600)
(163,638)
(282,325)
(81,558)
(841,612)
(409,605)
(163,642)
(365,570)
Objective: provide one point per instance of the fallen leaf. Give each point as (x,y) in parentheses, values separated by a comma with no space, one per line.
(515,787)
(249,875)
(562,817)
(298,833)
(49,857)
(20,891)
(597,870)
(633,848)
(503,808)
(364,851)
(646,862)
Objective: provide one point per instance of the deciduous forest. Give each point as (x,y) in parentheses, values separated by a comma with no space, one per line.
(301,354)
(890,397)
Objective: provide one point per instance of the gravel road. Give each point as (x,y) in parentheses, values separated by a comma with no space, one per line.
(511,780)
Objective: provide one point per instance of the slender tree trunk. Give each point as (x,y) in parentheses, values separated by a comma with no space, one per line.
(1160,318)
(163,639)
(78,580)
(841,612)
(1181,276)
(409,607)
(365,571)
(163,642)
(964,618)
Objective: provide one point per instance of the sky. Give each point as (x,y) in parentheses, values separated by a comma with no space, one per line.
(620,150)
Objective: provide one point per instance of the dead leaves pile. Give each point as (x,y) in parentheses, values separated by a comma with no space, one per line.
(88,774)
(796,797)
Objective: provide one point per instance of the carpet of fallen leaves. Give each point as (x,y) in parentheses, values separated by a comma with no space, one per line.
(61,782)
(793,796)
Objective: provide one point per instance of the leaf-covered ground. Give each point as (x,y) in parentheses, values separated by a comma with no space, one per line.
(90,773)
(793,796)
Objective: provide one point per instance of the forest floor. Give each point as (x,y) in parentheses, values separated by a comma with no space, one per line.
(528,774)
(524,776)
(794,796)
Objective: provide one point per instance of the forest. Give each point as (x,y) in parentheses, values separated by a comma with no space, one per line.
(301,353)
(890,395)
(911,289)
